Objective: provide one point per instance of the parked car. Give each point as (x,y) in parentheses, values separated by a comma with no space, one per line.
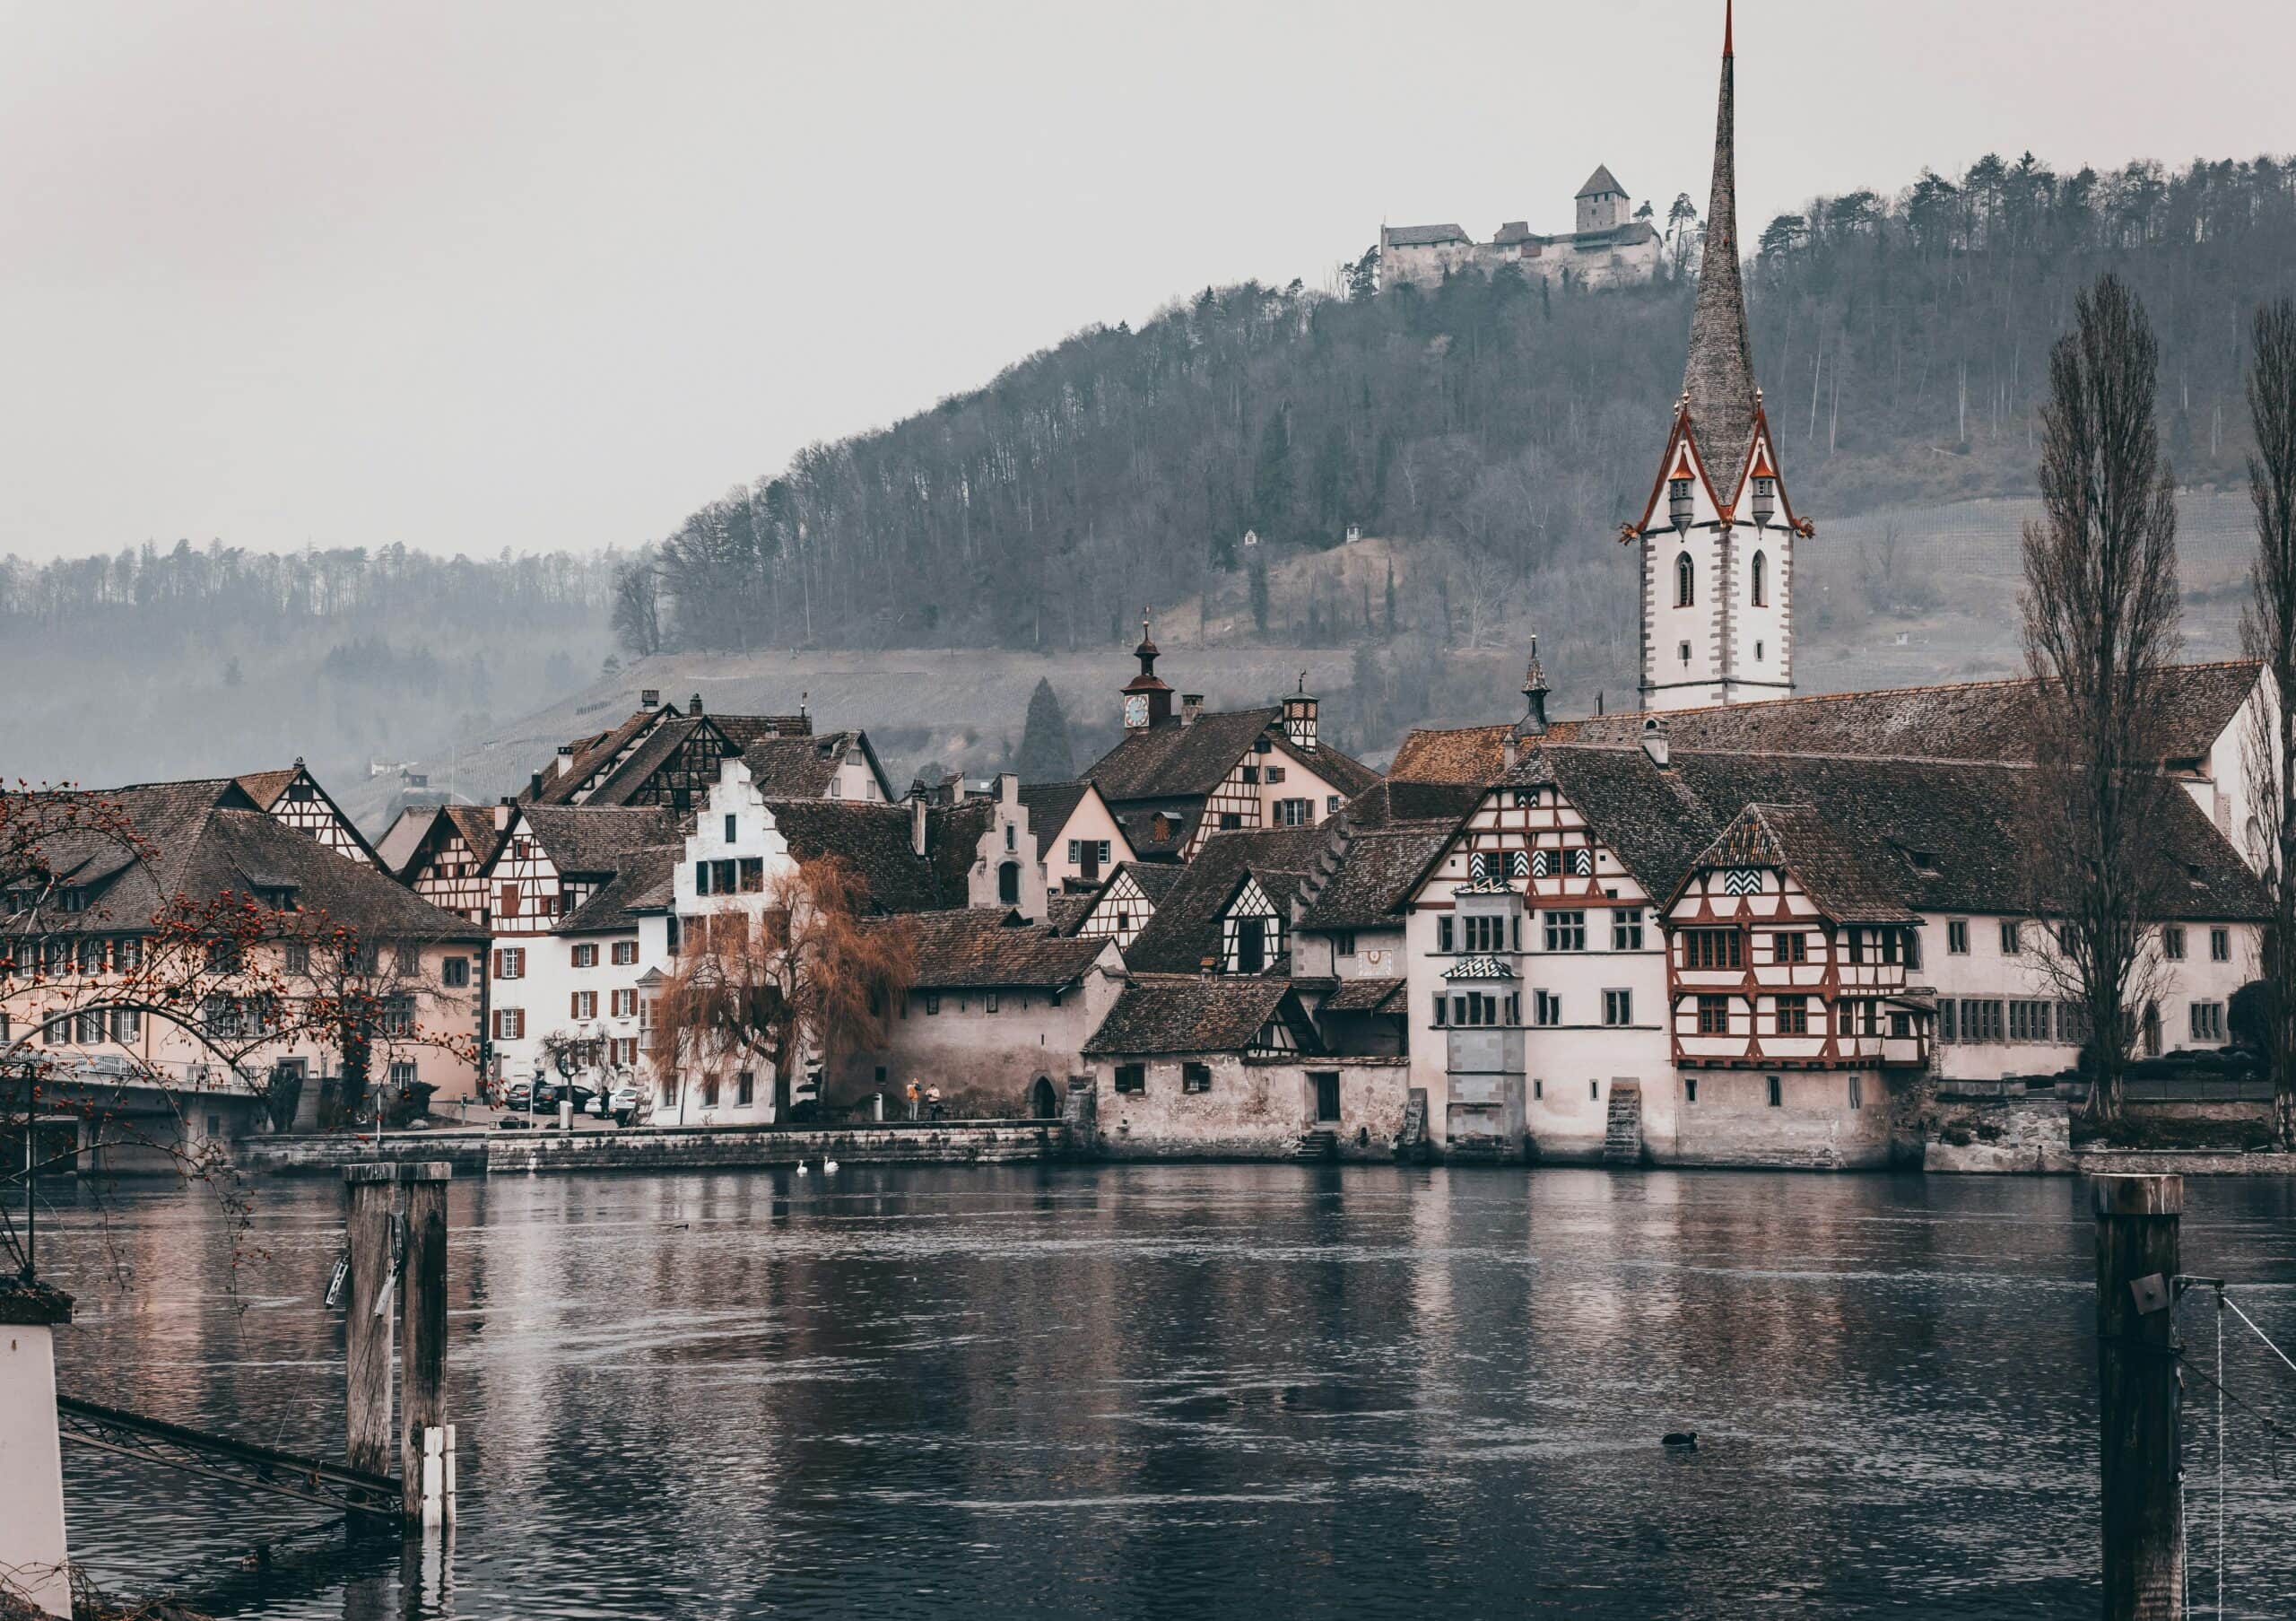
(549,1095)
(627,1103)
(518,1094)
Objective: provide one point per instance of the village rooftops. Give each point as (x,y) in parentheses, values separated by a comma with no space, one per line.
(590,841)
(1050,805)
(1375,877)
(786,759)
(871,838)
(988,948)
(644,883)
(1185,928)
(202,845)
(1848,885)
(1161,1014)
(1989,721)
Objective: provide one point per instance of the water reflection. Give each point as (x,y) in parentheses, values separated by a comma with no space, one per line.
(1167,1391)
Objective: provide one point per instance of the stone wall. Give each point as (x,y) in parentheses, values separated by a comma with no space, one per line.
(946,1143)
(1256,1111)
(2032,1136)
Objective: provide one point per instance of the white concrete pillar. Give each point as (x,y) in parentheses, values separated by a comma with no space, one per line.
(33,1558)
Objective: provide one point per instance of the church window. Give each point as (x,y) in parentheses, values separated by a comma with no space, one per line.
(1685,582)
(1761,595)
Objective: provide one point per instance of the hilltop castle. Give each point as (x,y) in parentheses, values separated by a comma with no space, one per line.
(1607,248)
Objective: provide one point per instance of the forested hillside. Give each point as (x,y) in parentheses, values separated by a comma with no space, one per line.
(184,660)
(1902,340)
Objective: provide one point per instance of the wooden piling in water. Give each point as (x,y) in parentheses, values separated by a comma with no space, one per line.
(367,1335)
(422,1336)
(2139,1389)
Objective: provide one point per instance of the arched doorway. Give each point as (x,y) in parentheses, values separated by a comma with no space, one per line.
(1044,1103)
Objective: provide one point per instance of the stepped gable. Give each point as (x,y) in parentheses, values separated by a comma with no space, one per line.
(989,948)
(1718,378)
(1375,877)
(1185,927)
(1980,721)
(208,837)
(872,839)
(1848,885)
(1050,805)
(591,839)
(644,883)
(1193,1013)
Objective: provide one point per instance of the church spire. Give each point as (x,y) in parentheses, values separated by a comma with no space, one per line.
(1720,377)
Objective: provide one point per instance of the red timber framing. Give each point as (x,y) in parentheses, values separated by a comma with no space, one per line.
(1759,978)
(1533,837)
(447,872)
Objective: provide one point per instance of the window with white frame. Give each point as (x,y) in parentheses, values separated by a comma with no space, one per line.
(1618,1007)
(1626,929)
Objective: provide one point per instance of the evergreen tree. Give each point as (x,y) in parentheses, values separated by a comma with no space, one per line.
(1046,754)
(1260,596)
(1272,476)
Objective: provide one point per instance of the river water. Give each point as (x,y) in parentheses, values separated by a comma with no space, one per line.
(1187,1391)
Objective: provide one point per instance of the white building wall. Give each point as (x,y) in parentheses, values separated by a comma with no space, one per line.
(1091,820)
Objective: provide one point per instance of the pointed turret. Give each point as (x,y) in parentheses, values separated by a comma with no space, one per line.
(1534,691)
(1720,377)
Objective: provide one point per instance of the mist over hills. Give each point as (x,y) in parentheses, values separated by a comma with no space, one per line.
(1485,439)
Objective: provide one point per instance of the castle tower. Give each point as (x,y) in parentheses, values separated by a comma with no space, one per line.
(1717,533)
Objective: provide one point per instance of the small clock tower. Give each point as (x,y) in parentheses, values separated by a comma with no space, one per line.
(1147,701)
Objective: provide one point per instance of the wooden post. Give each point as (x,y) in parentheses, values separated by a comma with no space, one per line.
(423,1334)
(367,1338)
(2140,1390)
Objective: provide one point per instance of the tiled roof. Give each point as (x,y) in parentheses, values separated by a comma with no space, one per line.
(1065,912)
(1511,233)
(1185,927)
(1187,760)
(953,836)
(1391,800)
(1979,720)
(1848,885)
(593,838)
(988,948)
(1176,1013)
(1377,872)
(1050,805)
(1718,375)
(644,881)
(1601,181)
(797,767)
(265,787)
(1962,818)
(592,754)
(1423,236)
(203,845)
(1480,968)
(870,837)
(475,823)
(1364,996)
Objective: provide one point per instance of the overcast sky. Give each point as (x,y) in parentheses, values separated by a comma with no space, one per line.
(474,274)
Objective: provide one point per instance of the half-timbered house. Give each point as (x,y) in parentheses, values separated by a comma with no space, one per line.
(1126,900)
(290,796)
(448,854)
(1177,778)
(664,756)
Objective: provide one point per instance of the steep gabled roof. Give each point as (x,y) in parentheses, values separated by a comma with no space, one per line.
(592,754)
(1375,874)
(802,767)
(1601,183)
(989,948)
(1188,759)
(1185,927)
(1718,376)
(871,838)
(591,839)
(644,881)
(1847,884)
(1177,1014)
(1050,805)
(1366,996)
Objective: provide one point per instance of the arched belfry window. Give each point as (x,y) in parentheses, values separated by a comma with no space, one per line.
(1685,582)
(1759,574)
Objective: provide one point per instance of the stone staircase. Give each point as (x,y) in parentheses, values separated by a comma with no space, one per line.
(1317,1145)
(1622,1140)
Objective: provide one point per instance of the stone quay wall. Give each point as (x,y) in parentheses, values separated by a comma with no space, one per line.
(937,1143)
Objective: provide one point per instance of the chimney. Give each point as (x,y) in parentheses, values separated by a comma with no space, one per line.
(1654,741)
(565,758)
(1191,706)
(1508,751)
(693,704)
(916,824)
(535,784)
(650,698)
(502,815)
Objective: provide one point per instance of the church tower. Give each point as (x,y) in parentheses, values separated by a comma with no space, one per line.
(1717,533)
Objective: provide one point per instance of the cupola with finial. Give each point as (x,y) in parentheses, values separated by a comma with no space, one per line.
(1147,701)
(1535,689)
(1300,716)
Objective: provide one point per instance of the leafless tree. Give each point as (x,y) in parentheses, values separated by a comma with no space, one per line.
(2101,619)
(2268,633)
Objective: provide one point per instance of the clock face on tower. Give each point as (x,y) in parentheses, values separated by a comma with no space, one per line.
(1135,709)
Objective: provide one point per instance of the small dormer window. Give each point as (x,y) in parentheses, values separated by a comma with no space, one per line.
(71,898)
(279,897)
(2193,875)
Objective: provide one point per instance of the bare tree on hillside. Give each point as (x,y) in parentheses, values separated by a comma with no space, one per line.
(2101,617)
(2268,632)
